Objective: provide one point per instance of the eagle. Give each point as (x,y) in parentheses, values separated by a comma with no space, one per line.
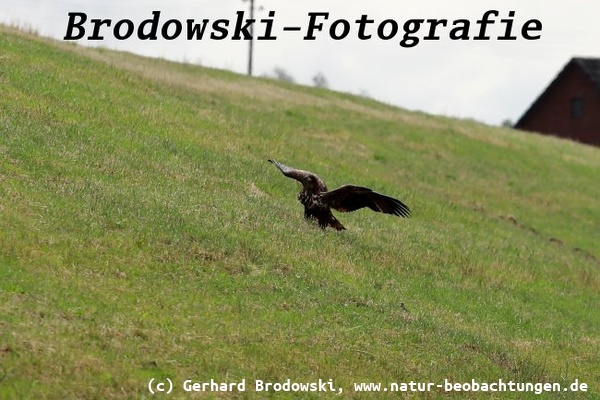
(318,200)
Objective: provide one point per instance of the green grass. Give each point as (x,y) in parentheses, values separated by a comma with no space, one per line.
(144,235)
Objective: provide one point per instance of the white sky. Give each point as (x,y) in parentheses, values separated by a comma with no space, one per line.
(486,80)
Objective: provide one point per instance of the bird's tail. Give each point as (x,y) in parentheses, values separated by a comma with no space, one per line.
(334,223)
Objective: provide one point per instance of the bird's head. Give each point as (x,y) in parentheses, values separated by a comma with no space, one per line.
(311,181)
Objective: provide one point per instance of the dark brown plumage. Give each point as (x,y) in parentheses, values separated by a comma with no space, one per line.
(318,201)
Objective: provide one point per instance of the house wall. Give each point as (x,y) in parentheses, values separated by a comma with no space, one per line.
(552,113)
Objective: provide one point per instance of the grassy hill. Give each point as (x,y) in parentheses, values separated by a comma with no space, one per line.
(144,235)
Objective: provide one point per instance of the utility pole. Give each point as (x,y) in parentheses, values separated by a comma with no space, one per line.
(250,45)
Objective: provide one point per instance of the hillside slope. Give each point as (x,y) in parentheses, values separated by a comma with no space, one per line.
(145,236)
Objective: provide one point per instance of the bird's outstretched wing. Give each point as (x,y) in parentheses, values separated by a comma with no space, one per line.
(351,198)
(290,172)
